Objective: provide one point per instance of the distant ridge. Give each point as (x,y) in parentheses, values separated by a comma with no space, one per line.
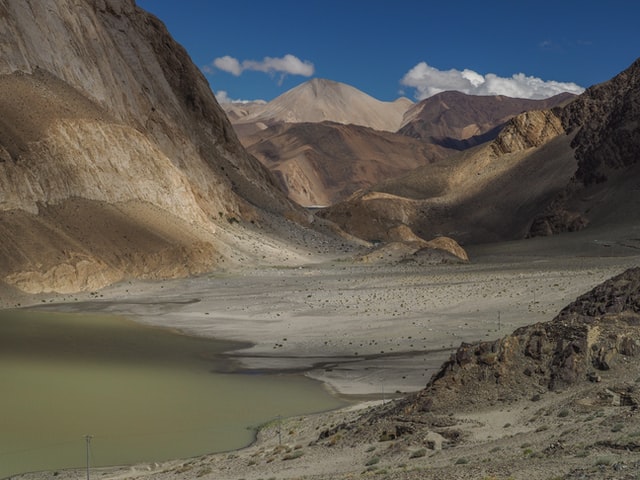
(321,100)
(322,162)
(459,121)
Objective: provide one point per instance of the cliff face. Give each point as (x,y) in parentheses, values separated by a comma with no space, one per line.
(527,130)
(104,117)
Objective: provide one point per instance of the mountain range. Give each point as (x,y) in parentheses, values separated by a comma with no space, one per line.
(313,137)
(546,172)
(116,161)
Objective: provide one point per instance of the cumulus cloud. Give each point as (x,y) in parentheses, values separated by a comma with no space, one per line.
(228,64)
(429,81)
(287,65)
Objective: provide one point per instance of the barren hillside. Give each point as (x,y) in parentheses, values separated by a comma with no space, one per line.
(546,172)
(319,164)
(115,158)
(320,100)
(483,194)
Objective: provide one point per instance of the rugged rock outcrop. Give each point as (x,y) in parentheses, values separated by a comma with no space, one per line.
(115,158)
(597,333)
(527,130)
(404,246)
(606,119)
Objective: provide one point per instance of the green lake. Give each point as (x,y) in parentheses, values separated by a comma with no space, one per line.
(143,394)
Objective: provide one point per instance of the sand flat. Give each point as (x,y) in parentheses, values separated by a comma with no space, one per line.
(364,329)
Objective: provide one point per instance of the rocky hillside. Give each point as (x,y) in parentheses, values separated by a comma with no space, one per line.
(605,119)
(115,158)
(459,121)
(605,124)
(594,336)
(475,196)
(546,172)
(319,164)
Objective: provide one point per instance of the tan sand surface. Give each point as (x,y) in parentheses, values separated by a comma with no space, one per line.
(368,329)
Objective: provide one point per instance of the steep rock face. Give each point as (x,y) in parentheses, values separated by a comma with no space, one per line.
(607,120)
(598,332)
(527,130)
(103,116)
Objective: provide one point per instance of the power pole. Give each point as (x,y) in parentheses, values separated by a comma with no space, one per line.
(88,441)
(279,429)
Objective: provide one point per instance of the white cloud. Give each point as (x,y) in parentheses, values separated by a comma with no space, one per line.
(223,97)
(287,65)
(228,64)
(429,81)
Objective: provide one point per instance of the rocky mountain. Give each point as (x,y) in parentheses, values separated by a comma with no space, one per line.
(458,121)
(320,100)
(319,167)
(319,164)
(546,172)
(115,158)
(605,124)
(483,194)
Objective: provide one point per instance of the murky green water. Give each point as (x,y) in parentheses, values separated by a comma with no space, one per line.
(144,394)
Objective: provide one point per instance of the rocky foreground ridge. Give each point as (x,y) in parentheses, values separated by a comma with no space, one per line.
(116,160)
(558,399)
(596,335)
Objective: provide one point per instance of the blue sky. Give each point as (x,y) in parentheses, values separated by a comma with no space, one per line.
(259,49)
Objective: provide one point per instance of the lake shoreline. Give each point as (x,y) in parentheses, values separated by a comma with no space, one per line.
(365,331)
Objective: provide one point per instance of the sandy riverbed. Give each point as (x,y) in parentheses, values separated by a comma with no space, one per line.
(371,330)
